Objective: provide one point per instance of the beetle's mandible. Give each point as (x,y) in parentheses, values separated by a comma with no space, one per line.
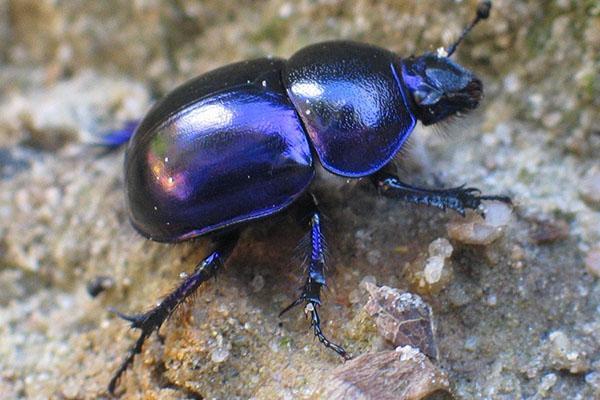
(241,142)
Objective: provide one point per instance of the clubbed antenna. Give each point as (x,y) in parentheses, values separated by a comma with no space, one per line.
(483,11)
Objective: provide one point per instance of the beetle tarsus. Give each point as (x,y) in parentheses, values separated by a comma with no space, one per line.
(315,322)
(311,296)
(152,320)
(135,349)
(295,303)
(311,291)
(135,319)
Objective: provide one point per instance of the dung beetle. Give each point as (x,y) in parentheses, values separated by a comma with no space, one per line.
(240,143)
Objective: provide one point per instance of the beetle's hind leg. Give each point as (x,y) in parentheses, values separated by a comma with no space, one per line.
(458,198)
(152,320)
(315,280)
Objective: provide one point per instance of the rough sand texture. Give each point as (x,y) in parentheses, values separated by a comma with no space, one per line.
(516,318)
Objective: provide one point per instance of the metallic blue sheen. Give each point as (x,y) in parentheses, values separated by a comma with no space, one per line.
(223,149)
(352,103)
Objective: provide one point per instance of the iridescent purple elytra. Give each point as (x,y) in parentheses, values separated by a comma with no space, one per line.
(236,144)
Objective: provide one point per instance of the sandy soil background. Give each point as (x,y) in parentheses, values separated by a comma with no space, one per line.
(516,317)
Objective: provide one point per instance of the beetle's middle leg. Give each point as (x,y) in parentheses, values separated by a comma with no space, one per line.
(458,198)
(315,280)
(153,319)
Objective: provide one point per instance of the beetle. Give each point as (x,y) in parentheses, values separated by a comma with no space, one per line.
(241,143)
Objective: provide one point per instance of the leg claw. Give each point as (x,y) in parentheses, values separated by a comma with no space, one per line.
(462,198)
(136,320)
(292,305)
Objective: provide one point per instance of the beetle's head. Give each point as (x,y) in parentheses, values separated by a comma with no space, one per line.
(440,88)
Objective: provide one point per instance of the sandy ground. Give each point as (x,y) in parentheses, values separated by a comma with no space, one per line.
(515,318)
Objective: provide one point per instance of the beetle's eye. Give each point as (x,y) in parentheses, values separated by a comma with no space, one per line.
(419,96)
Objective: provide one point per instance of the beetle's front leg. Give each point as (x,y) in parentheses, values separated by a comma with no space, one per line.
(458,198)
(311,291)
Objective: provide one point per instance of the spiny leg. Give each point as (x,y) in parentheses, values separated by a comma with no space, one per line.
(311,291)
(152,320)
(458,198)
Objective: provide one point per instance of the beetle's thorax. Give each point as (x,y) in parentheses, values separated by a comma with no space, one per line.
(350,100)
(439,88)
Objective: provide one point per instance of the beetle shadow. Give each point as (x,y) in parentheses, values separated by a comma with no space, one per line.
(264,265)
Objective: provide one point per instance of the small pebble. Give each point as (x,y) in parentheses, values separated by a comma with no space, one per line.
(407,352)
(564,355)
(547,382)
(70,390)
(258,283)
(404,373)
(474,229)
(592,261)
(517,257)
(402,318)
(219,355)
(589,188)
(497,214)
(433,269)
(593,379)
(439,250)
(512,83)
(440,247)
(471,343)
(286,10)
